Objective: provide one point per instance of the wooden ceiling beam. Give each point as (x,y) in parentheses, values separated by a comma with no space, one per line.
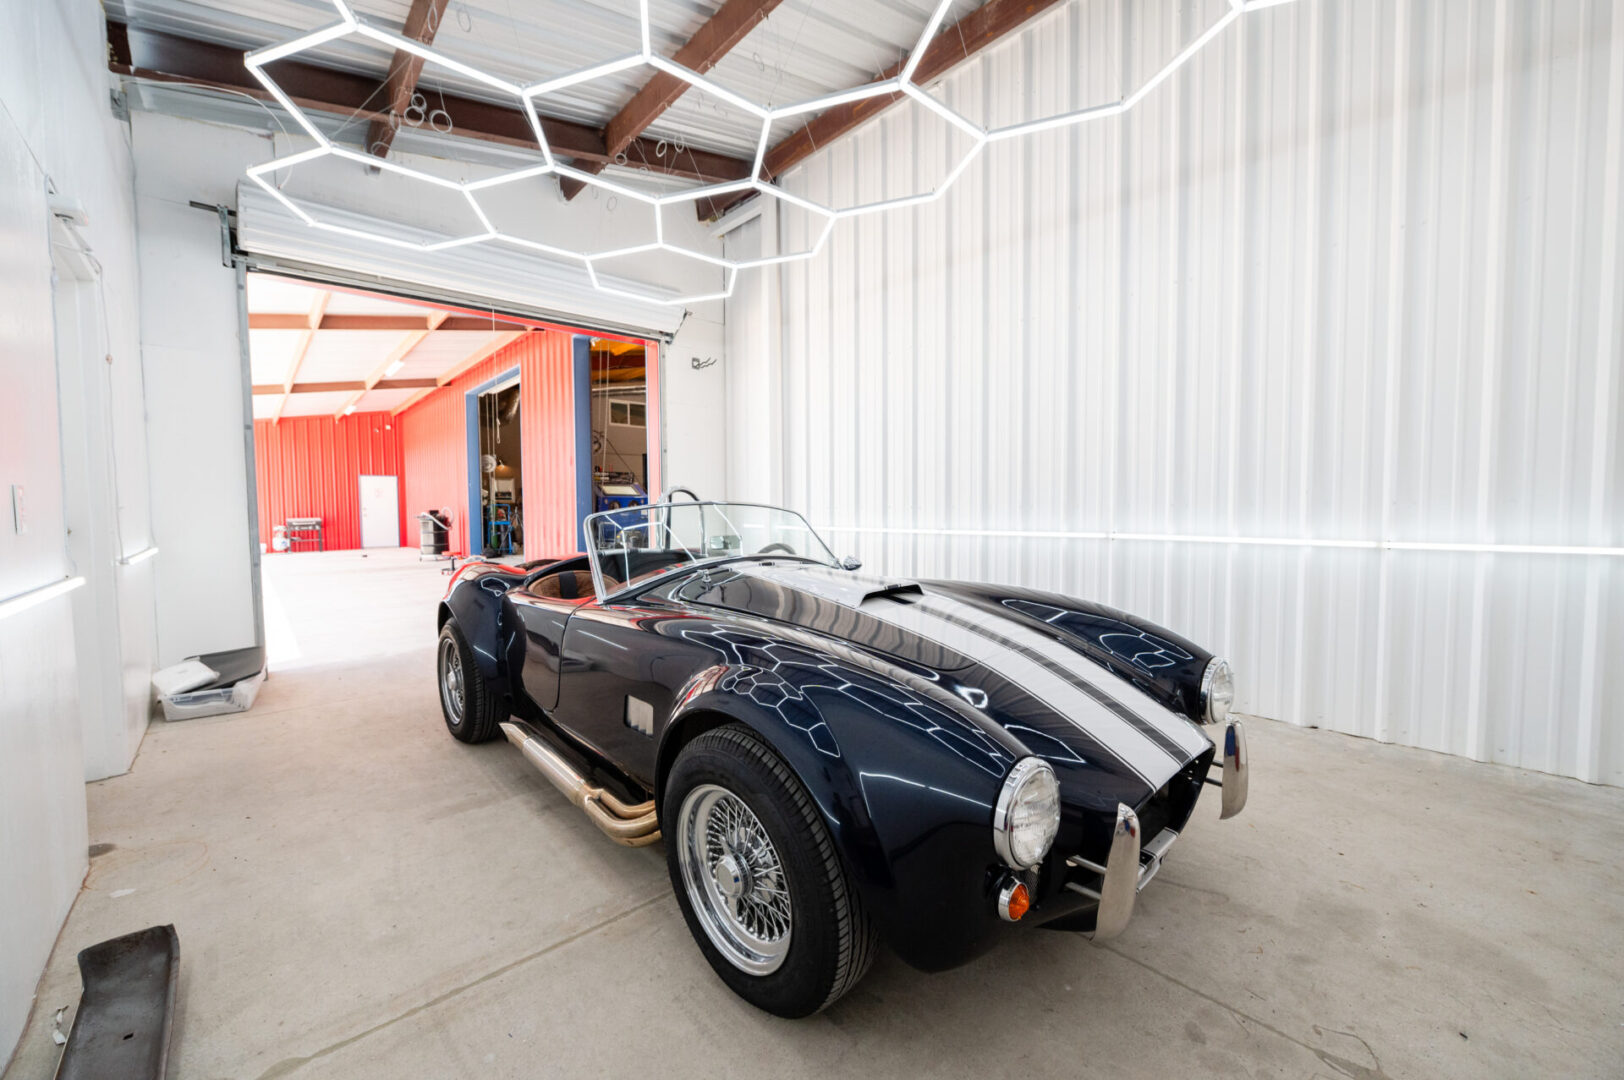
(712,41)
(422,21)
(950,47)
(312,318)
(161,57)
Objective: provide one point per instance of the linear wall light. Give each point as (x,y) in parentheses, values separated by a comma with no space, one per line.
(1250,541)
(139,557)
(526,95)
(35,597)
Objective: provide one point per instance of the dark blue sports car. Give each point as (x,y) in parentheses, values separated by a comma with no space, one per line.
(835,758)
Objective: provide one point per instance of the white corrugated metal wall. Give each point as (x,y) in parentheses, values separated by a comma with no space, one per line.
(1353,274)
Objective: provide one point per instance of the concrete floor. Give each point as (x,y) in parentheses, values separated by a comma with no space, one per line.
(357,895)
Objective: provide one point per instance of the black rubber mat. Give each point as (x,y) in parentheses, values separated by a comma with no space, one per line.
(122,1026)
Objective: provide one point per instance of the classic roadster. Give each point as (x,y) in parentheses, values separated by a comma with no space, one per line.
(835,758)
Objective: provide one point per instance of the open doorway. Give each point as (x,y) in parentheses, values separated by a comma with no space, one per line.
(501,487)
(620,445)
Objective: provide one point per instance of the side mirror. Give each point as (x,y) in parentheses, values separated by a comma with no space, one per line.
(851,562)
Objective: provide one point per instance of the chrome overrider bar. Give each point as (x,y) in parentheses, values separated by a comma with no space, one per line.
(1237,767)
(1128,868)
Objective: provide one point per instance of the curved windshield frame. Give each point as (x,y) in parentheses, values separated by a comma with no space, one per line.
(634,547)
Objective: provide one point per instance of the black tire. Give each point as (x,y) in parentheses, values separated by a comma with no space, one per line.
(481,709)
(831,941)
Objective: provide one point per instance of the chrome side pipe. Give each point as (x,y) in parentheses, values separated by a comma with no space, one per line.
(634,825)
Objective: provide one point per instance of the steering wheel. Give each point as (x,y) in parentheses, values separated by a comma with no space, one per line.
(770,548)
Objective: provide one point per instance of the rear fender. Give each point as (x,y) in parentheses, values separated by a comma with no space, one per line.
(475,601)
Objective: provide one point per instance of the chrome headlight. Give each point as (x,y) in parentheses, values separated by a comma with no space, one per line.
(1028,814)
(1217,691)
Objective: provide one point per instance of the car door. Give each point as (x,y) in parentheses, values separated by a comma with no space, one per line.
(622,664)
(543,609)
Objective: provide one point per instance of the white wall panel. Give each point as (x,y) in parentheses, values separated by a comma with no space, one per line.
(1352,274)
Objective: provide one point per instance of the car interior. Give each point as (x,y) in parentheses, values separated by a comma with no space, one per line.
(567,580)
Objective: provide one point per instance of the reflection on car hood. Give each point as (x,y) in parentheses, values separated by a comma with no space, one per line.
(823,599)
(1016,671)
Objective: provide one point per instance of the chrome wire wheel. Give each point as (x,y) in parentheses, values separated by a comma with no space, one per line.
(451,679)
(734,879)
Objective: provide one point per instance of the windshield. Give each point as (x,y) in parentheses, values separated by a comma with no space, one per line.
(632,546)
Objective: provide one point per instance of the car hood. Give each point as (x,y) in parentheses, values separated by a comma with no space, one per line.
(1108,741)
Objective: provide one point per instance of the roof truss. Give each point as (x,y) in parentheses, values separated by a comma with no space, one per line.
(712,41)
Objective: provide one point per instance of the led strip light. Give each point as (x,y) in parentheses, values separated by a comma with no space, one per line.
(34,597)
(1251,541)
(139,557)
(526,95)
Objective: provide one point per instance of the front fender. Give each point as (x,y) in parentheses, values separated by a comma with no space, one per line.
(905,783)
(1162,664)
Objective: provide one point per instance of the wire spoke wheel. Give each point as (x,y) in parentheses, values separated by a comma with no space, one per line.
(734,879)
(451,679)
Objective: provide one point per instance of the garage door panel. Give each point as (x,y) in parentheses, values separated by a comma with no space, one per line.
(505,277)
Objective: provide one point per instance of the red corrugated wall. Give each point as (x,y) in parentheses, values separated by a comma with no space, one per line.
(435,437)
(311,466)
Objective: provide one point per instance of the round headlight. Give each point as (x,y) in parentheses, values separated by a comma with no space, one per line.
(1028,814)
(1217,691)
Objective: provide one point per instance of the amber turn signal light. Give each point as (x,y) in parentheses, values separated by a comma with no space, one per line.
(1013,901)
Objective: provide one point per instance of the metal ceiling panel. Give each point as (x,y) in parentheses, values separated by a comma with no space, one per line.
(270,352)
(340,355)
(805,48)
(440,352)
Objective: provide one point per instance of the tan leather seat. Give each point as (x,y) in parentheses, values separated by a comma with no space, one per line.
(567,585)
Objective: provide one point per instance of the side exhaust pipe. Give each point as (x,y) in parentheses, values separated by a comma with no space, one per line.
(632,825)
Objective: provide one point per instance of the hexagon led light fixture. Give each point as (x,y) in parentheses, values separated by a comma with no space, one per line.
(527,95)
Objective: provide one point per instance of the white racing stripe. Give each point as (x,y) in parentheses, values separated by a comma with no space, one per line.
(1169,723)
(1153,764)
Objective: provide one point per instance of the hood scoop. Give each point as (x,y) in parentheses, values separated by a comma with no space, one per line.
(843,587)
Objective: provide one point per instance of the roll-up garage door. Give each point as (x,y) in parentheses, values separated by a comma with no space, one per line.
(477,275)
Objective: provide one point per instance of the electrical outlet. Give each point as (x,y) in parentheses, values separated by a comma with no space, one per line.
(19,515)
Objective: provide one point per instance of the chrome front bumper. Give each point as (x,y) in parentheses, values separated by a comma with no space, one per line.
(1130,867)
